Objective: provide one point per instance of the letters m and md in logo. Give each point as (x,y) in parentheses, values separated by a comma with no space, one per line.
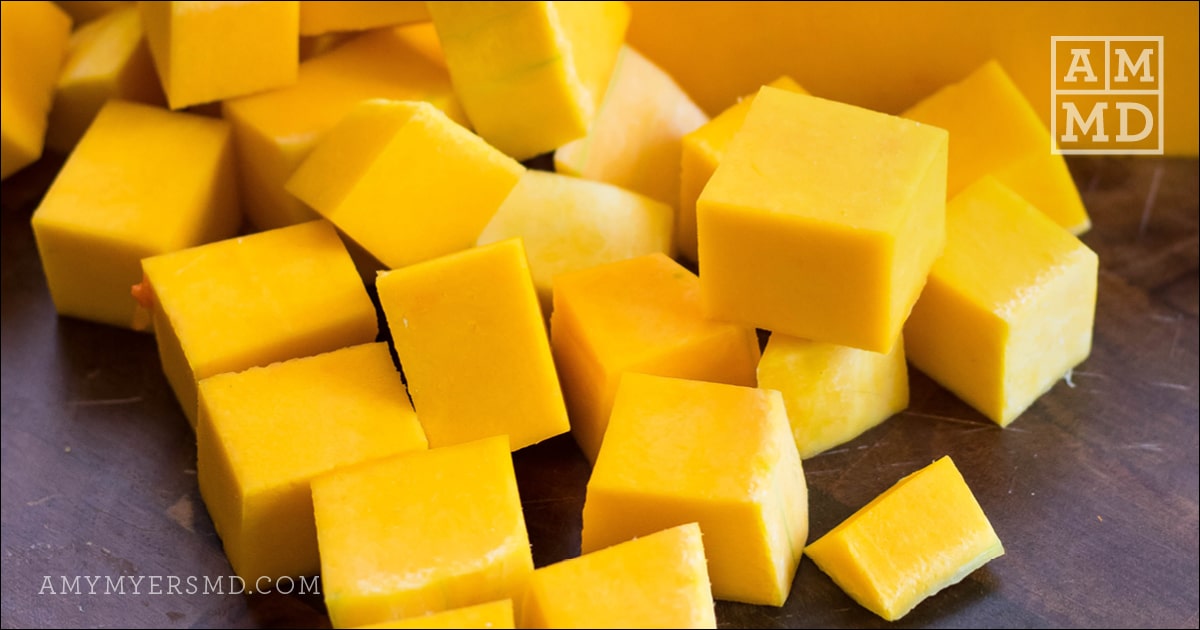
(1107,95)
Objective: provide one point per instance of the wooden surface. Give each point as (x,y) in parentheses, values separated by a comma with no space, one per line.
(1093,491)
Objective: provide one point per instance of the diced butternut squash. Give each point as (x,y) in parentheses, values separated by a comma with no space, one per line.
(995,131)
(635,140)
(498,614)
(209,51)
(404,181)
(142,182)
(568,224)
(678,451)
(107,59)
(319,17)
(252,301)
(421,532)
(530,74)
(263,434)
(925,533)
(822,221)
(656,581)
(702,152)
(34,37)
(833,393)
(276,130)
(473,346)
(1009,308)
(637,315)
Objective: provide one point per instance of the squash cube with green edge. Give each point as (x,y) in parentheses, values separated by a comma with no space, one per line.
(34,37)
(995,131)
(637,315)
(922,535)
(276,130)
(318,18)
(421,533)
(678,451)
(473,346)
(530,74)
(264,433)
(142,182)
(655,581)
(498,614)
(703,149)
(210,51)
(404,181)
(822,221)
(1009,308)
(569,224)
(833,393)
(251,301)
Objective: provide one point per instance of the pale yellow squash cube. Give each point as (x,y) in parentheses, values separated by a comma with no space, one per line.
(473,346)
(497,614)
(264,433)
(1010,306)
(143,181)
(822,221)
(34,38)
(420,533)
(655,581)
(254,300)
(404,181)
(678,451)
(925,533)
(319,17)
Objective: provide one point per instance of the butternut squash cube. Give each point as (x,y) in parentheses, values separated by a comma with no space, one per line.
(209,51)
(421,532)
(678,451)
(264,433)
(822,221)
(530,74)
(833,393)
(1009,307)
(925,533)
(107,59)
(473,346)
(656,581)
(703,149)
(317,18)
(276,130)
(635,140)
(254,300)
(567,224)
(404,181)
(996,131)
(142,182)
(34,37)
(637,315)
(498,614)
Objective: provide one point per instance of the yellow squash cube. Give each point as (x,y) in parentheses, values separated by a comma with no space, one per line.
(209,51)
(473,346)
(634,142)
(530,74)
(420,533)
(637,315)
(317,18)
(34,37)
(404,181)
(678,451)
(995,131)
(107,59)
(656,581)
(702,152)
(143,181)
(252,301)
(833,393)
(265,433)
(497,614)
(1009,308)
(276,130)
(925,533)
(569,223)
(822,221)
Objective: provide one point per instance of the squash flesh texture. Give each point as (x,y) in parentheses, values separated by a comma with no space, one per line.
(35,36)
(317,17)
(497,614)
